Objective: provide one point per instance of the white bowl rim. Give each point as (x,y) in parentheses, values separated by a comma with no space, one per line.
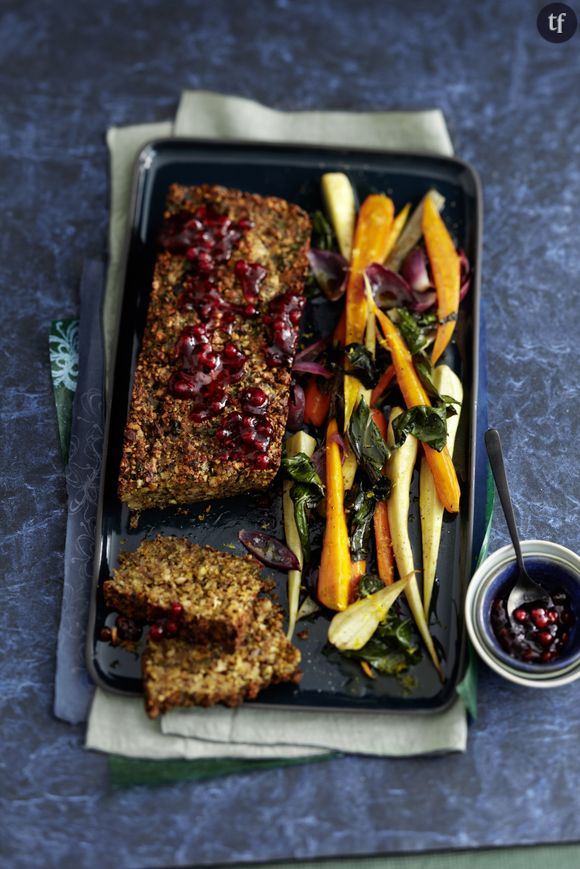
(506,554)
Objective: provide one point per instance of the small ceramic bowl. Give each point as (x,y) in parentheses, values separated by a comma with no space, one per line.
(555,568)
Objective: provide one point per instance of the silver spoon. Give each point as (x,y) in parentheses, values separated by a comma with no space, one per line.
(525,589)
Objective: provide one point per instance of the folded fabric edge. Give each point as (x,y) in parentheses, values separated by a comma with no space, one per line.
(385,735)
(207,114)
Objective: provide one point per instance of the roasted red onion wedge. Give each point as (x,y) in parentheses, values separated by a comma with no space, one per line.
(414,270)
(329,269)
(295,408)
(391,290)
(269,550)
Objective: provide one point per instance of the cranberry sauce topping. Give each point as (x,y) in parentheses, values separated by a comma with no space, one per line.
(283,317)
(247,435)
(206,366)
(205,237)
(539,634)
(250,276)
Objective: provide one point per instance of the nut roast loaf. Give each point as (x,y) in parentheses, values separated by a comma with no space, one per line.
(211,387)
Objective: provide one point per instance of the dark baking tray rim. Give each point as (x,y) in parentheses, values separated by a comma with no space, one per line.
(307,155)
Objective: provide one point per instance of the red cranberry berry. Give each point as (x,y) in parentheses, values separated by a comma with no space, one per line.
(263,462)
(176,609)
(194,225)
(156,632)
(261,442)
(248,436)
(218,404)
(105,634)
(171,628)
(204,262)
(520,615)
(233,357)
(265,428)
(254,400)
(209,359)
(544,638)
(200,415)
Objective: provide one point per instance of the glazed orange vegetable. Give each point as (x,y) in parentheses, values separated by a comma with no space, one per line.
(385,560)
(334,576)
(357,570)
(370,243)
(445,268)
(385,381)
(441,464)
(316,403)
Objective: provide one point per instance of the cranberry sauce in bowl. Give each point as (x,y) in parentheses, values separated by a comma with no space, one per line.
(540,646)
(536,633)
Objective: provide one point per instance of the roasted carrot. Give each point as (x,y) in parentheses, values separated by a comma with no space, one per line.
(385,563)
(385,381)
(334,576)
(316,403)
(445,268)
(413,392)
(357,570)
(367,669)
(371,237)
(384,546)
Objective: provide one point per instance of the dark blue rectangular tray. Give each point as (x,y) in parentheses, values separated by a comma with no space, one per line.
(293,173)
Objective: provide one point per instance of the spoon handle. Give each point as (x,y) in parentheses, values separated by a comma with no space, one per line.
(495,453)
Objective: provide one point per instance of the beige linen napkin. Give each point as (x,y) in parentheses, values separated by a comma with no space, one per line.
(118,724)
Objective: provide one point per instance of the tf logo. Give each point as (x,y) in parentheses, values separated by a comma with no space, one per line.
(557,22)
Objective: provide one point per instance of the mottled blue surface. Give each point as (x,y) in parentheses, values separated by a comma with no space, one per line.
(69,70)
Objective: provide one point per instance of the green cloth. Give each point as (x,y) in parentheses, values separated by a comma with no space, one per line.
(130,771)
